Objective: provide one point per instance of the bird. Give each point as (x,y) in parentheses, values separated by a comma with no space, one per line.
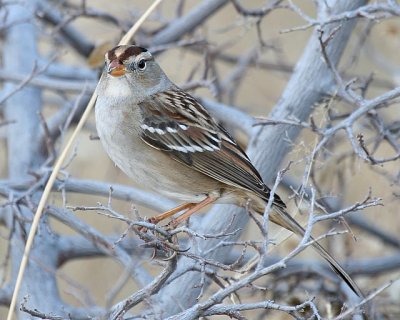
(166,141)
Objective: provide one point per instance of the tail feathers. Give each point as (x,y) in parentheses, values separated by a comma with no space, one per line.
(282,218)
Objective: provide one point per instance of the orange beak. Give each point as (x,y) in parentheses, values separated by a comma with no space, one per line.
(116,69)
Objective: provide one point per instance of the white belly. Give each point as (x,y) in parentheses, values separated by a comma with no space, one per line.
(119,134)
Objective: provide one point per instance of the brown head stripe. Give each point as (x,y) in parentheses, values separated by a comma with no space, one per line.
(131,51)
(128,52)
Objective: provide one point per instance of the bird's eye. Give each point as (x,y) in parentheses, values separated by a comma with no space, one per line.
(141,65)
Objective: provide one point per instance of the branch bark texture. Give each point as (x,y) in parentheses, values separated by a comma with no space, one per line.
(310,80)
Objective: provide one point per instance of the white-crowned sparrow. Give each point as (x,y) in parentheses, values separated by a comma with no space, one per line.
(166,141)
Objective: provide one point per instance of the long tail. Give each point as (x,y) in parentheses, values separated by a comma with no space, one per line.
(279,216)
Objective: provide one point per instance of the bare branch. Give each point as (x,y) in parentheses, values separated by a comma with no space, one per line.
(187,23)
(303,90)
(77,40)
(152,288)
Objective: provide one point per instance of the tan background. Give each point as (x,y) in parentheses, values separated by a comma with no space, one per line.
(88,281)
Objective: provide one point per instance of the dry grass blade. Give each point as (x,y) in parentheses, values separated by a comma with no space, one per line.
(57,167)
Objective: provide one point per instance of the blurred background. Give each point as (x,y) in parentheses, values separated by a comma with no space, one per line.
(272,50)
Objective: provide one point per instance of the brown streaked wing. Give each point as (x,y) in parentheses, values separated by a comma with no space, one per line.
(176,123)
(231,165)
(172,124)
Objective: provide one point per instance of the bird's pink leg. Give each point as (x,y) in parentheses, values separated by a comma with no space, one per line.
(196,207)
(170,212)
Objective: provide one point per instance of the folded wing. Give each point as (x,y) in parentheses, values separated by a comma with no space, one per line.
(176,123)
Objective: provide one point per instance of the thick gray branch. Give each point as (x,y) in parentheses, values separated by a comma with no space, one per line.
(92,187)
(20,54)
(267,149)
(75,247)
(189,22)
(75,38)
